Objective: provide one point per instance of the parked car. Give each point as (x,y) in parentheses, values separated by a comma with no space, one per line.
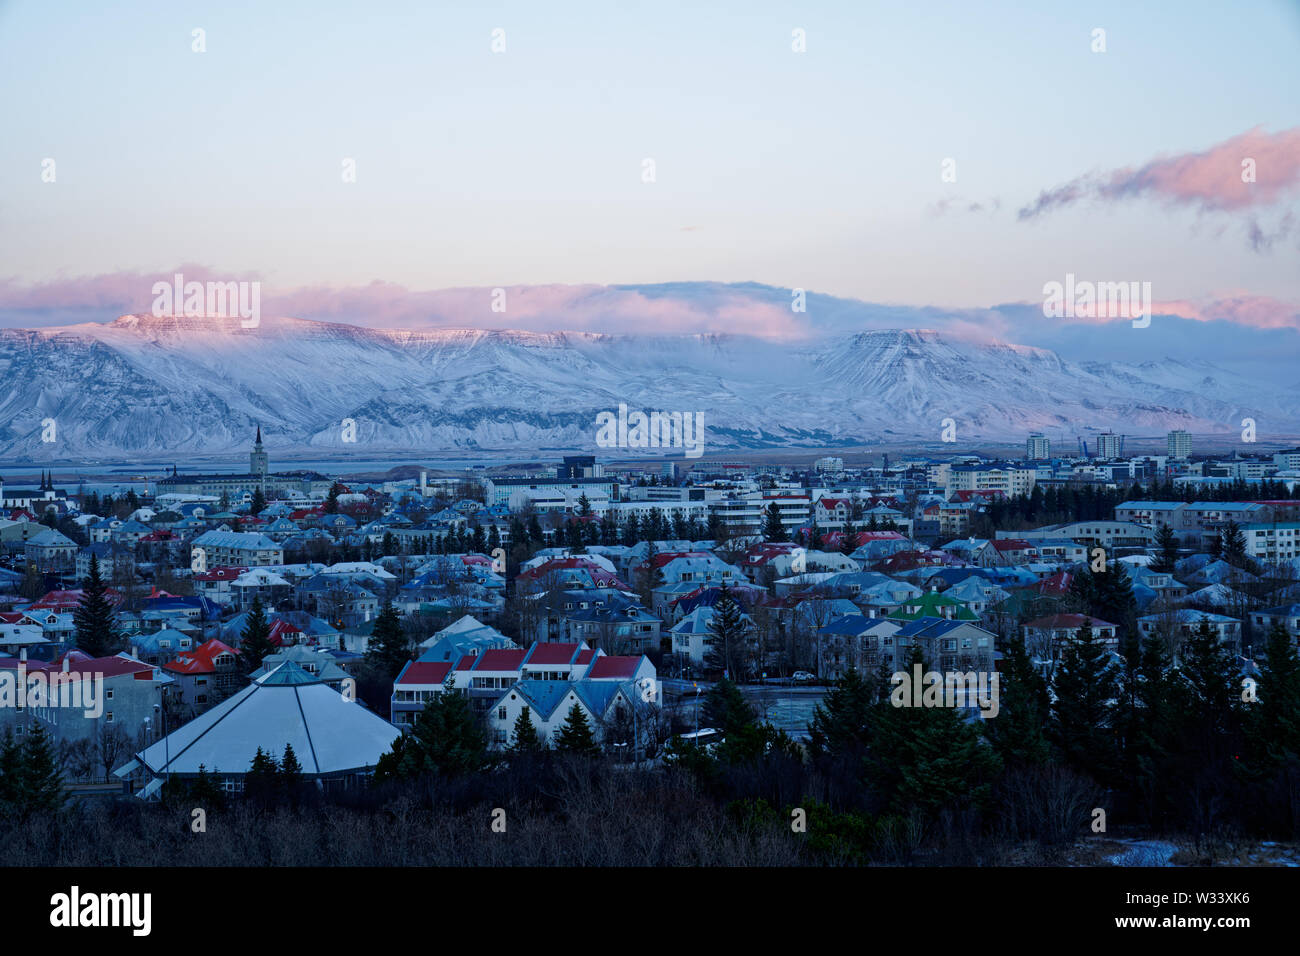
(802,677)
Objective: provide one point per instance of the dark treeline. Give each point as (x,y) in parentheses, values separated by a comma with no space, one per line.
(1187,752)
(1061,504)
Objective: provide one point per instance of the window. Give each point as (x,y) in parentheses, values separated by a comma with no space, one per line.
(108,695)
(501,711)
(109,717)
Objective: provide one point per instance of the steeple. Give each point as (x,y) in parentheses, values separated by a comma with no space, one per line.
(258,463)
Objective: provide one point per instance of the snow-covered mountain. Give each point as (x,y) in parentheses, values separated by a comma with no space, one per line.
(142,387)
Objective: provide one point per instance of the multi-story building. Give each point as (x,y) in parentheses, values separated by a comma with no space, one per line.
(1038,447)
(1271,543)
(1009,478)
(310,484)
(1109,445)
(1180,443)
(234,548)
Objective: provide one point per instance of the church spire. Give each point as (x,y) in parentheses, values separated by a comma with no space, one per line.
(259,434)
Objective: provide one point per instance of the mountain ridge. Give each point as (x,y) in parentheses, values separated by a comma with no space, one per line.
(150,386)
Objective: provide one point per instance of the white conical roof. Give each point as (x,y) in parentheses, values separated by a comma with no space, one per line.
(329,733)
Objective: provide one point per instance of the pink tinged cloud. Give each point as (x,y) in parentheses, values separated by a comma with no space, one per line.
(1256,311)
(1217,179)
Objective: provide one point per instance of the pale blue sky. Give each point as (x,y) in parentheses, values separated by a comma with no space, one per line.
(818,170)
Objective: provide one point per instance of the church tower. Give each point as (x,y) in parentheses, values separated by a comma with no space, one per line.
(257,460)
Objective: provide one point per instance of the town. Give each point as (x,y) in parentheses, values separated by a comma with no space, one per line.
(290,636)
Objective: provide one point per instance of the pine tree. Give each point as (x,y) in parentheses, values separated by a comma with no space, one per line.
(726,710)
(1234,546)
(259,502)
(1082,721)
(841,723)
(929,758)
(255,641)
(1211,672)
(95,619)
(1166,550)
(727,632)
(389,648)
(575,735)
(262,782)
(290,778)
(204,790)
(1017,733)
(450,739)
(584,505)
(11,771)
(773,529)
(1277,727)
(525,735)
(41,780)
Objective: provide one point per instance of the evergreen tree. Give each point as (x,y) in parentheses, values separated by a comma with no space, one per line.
(1211,673)
(255,641)
(389,648)
(11,775)
(1082,720)
(929,759)
(450,739)
(1234,546)
(259,502)
(1166,550)
(1017,733)
(95,619)
(41,781)
(841,723)
(525,735)
(727,634)
(575,735)
(773,529)
(331,506)
(205,791)
(1275,727)
(584,505)
(726,710)
(290,779)
(262,781)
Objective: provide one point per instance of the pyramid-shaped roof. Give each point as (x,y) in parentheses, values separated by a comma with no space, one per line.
(330,733)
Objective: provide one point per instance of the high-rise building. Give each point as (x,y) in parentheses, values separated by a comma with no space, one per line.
(1180,444)
(1038,447)
(1109,445)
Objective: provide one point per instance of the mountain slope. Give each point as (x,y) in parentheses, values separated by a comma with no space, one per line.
(145,386)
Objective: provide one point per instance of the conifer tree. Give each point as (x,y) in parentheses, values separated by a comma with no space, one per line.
(255,641)
(1275,727)
(95,619)
(773,529)
(450,738)
(575,735)
(262,782)
(389,648)
(841,723)
(1017,733)
(290,779)
(11,771)
(1082,721)
(1166,550)
(525,735)
(41,781)
(727,633)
